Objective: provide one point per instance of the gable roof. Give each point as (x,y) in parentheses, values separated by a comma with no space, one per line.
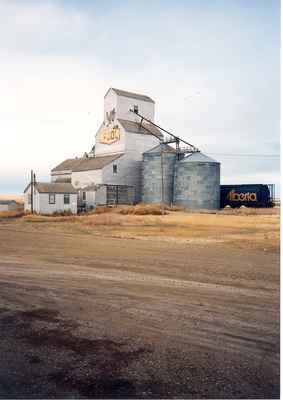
(85,163)
(89,188)
(131,95)
(45,187)
(134,127)
(7,202)
(67,165)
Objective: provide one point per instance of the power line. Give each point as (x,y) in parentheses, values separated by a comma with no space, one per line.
(246,155)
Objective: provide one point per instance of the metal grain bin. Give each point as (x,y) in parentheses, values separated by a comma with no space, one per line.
(160,158)
(197,182)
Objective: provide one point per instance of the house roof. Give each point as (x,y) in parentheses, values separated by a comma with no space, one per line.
(89,188)
(131,95)
(7,202)
(45,187)
(134,127)
(67,165)
(85,163)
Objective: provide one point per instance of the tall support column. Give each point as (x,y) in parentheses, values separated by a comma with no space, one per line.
(31,190)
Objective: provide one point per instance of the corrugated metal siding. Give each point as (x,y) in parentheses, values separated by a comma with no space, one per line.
(152,177)
(197,185)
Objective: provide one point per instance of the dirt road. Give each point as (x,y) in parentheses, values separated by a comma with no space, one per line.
(88,316)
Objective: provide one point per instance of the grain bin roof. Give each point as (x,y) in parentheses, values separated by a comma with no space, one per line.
(161,147)
(134,127)
(45,187)
(198,157)
(131,95)
(85,163)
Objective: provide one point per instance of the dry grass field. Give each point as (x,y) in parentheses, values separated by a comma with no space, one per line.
(243,228)
(125,304)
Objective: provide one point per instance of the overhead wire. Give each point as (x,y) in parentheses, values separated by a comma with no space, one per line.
(246,155)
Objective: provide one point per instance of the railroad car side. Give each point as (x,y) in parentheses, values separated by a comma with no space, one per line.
(257,195)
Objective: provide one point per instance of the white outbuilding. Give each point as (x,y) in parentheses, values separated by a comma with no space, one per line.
(50,198)
(9,205)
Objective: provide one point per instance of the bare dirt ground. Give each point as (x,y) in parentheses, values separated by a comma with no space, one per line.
(181,306)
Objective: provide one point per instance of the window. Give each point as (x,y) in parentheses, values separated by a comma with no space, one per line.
(51,198)
(84,196)
(136,109)
(66,198)
(115,169)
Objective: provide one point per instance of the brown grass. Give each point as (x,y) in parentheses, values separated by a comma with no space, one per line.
(11,214)
(158,209)
(90,220)
(258,228)
(139,209)
(102,210)
(49,218)
(149,209)
(143,209)
(121,220)
(103,219)
(250,211)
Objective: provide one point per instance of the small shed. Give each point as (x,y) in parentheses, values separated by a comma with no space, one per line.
(8,205)
(102,194)
(50,198)
(87,197)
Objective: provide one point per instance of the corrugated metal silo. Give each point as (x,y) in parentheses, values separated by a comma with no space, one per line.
(197,182)
(160,158)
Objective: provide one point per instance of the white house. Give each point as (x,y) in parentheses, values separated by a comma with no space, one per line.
(119,144)
(49,198)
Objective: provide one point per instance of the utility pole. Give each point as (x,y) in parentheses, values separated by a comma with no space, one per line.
(162,179)
(31,190)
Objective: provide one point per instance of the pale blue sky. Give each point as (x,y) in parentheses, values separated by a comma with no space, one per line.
(212,67)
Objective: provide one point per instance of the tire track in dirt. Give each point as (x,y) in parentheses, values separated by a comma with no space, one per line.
(200,326)
(121,276)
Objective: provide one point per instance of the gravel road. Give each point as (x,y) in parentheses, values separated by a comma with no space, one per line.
(85,316)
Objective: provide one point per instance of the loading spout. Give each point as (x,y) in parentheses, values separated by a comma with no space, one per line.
(188,148)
